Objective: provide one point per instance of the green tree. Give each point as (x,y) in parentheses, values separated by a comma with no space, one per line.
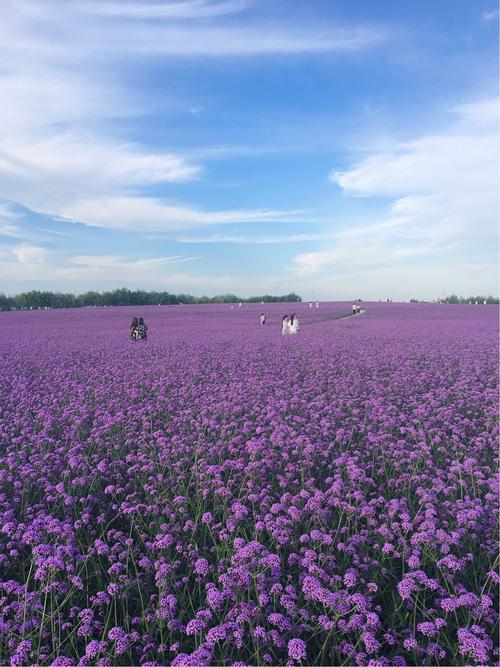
(6,302)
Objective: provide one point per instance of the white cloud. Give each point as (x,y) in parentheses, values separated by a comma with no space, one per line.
(445,190)
(45,171)
(32,265)
(187,9)
(114,261)
(150,214)
(442,163)
(267,239)
(7,229)
(464,157)
(116,268)
(404,281)
(491,15)
(30,254)
(29,262)
(39,98)
(8,217)
(7,212)
(216,41)
(479,113)
(30,28)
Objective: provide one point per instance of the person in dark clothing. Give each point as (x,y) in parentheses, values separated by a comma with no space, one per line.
(142,329)
(134,334)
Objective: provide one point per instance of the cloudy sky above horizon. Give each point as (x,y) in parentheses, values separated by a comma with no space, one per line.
(336,148)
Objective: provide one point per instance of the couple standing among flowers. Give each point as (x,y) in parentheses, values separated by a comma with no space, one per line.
(138,330)
(290,325)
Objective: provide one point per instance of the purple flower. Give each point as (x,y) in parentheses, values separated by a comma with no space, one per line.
(215,598)
(279,621)
(63,661)
(350,578)
(95,647)
(195,626)
(478,649)
(296,650)
(370,642)
(116,633)
(201,566)
(406,586)
(410,643)
(427,628)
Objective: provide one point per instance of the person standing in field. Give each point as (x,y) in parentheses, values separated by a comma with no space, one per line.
(294,324)
(133,329)
(262,319)
(142,329)
(354,309)
(285,325)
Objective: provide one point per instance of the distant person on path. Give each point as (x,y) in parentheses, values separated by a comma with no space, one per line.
(142,329)
(285,325)
(317,304)
(354,309)
(262,319)
(134,335)
(294,324)
(358,308)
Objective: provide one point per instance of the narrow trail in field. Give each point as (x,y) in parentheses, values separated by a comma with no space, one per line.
(343,317)
(333,318)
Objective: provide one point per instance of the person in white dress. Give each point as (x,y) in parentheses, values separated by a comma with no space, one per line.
(262,319)
(294,324)
(285,325)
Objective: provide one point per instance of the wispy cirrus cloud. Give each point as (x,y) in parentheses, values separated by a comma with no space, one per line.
(43,172)
(262,239)
(238,41)
(151,214)
(25,262)
(191,28)
(21,260)
(186,9)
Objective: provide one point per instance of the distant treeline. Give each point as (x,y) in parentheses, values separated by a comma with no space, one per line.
(124,297)
(453,298)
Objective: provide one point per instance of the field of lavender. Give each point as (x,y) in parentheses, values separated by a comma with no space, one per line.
(225,495)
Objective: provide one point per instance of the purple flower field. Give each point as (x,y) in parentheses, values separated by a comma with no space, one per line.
(225,495)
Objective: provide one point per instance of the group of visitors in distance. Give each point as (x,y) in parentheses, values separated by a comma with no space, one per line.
(138,330)
(289,324)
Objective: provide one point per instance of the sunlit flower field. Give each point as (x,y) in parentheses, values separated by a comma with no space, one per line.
(225,495)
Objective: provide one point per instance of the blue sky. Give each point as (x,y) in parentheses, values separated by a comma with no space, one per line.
(333,148)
